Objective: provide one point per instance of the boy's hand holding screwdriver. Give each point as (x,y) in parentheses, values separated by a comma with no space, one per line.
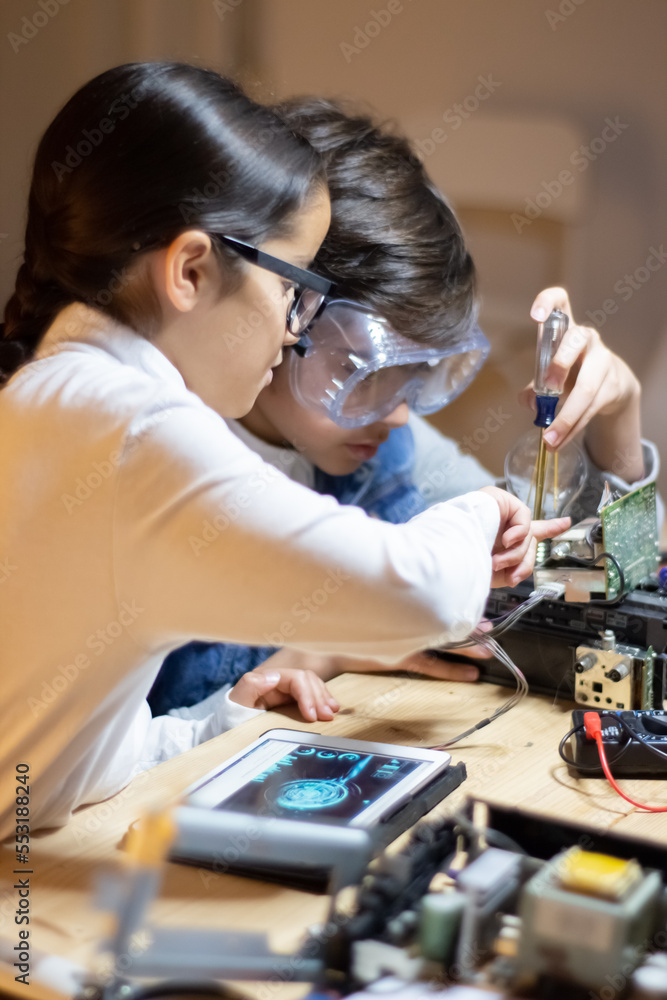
(600,394)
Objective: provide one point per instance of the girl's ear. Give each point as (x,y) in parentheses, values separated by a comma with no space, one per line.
(186,267)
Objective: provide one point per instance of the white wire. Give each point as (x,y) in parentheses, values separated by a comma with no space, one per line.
(507,620)
(488,641)
(484,639)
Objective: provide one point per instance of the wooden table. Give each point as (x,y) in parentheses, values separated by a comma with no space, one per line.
(514,761)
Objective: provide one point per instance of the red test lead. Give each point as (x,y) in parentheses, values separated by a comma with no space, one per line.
(593,727)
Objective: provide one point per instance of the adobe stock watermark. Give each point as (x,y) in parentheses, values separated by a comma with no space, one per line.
(565,10)
(224,7)
(494,420)
(308,606)
(98,816)
(91,138)
(97,642)
(103,469)
(364,34)
(624,462)
(626,286)
(383,703)
(438,480)
(581,160)
(116,965)
(118,281)
(455,116)
(33,24)
(235,851)
(617,982)
(7,909)
(6,570)
(237,846)
(231,510)
(246,327)
(199,197)
(84,488)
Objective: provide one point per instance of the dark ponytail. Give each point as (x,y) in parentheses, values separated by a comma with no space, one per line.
(139,154)
(394,243)
(27,314)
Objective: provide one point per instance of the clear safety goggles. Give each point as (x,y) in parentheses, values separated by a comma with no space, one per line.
(352,367)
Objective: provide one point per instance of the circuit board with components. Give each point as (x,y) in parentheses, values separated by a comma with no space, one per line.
(630,534)
(560,910)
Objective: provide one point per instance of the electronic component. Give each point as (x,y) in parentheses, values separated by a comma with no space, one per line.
(615,676)
(626,756)
(545,640)
(488,883)
(609,556)
(588,935)
(579,540)
(574,908)
(568,922)
(649,981)
(596,874)
(630,534)
(575,561)
(593,731)
(439,923)
(606,653)
(371,960)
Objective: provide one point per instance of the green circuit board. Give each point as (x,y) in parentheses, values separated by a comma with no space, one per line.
(630,533)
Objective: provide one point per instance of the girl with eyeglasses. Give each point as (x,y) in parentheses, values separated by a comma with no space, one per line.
(396,340)
(171,223)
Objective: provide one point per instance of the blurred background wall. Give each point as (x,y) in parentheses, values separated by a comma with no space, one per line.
(543,121)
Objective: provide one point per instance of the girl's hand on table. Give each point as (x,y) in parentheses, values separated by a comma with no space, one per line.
(268,687)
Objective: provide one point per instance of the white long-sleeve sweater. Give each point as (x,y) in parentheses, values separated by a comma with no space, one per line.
(133,520)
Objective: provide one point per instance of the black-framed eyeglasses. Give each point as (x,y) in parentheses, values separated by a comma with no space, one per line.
(310,289)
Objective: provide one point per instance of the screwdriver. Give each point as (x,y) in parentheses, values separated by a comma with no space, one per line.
(549,336)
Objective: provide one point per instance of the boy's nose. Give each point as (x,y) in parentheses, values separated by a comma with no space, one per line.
(291,338)
(397,417)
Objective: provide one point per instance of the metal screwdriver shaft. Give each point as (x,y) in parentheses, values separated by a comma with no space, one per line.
(540,476)
(549,336)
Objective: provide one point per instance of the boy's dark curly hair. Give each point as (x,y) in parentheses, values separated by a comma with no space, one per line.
(394,243)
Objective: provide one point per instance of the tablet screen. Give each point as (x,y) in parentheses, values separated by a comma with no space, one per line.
(306,782)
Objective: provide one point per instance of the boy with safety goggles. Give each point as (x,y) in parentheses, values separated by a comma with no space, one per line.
(396,339)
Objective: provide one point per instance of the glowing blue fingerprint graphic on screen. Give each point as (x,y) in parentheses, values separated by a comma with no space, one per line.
(318,793)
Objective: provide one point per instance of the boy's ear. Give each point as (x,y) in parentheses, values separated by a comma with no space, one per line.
(186,267)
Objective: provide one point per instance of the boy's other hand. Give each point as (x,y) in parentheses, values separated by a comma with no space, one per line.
(327,667)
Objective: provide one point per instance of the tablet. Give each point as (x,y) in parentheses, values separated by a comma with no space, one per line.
(308,810)
(318,779)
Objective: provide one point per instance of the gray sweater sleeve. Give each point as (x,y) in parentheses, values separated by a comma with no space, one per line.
(586,503)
